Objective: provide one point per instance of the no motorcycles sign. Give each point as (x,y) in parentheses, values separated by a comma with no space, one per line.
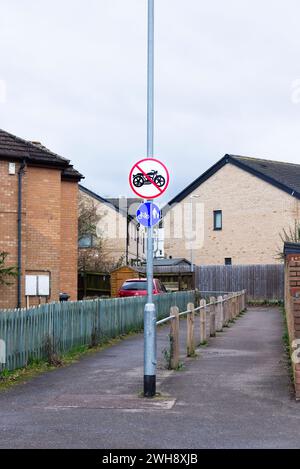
(149,178)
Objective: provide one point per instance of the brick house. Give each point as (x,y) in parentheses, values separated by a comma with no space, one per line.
(38,221)
(234,213)
(292,306)
(124,239)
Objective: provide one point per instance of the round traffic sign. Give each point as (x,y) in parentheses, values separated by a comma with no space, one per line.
(148,214)
(149,178)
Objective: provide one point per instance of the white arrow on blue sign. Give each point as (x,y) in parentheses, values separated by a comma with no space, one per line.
(148,214)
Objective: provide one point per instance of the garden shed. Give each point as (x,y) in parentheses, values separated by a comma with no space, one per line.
(120,275)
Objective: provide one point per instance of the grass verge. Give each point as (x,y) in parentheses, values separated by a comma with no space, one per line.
(265,303)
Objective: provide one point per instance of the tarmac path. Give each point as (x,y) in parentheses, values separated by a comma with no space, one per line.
(235,394)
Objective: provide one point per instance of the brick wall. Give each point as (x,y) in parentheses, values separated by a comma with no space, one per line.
(49,230)
(8,228)
(254,214)
(43,230)
(69,238)
(292,307)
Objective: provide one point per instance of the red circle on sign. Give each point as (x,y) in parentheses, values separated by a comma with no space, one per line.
(151,182)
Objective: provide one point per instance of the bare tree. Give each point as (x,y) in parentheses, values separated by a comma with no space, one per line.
(88,217)
(94,257)
(289,235)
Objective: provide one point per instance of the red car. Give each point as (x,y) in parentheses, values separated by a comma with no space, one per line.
(138,287)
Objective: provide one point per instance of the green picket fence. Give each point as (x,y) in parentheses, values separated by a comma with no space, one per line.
(71,324)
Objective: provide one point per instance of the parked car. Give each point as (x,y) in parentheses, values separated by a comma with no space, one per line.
(138,287)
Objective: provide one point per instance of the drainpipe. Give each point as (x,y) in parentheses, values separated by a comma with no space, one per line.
(20,176)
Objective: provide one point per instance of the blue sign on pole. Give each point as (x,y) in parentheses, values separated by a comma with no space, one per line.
(148,214)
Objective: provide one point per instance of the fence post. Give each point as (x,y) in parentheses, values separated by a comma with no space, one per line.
(220,314)
(203,336)
(230,308)
(225,310)
(212,300)
(244,300)
(236,306)
(174,338)
(207,320)
(190,348)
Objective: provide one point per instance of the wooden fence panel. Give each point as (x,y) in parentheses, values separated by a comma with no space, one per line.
(72,324)
(262,282)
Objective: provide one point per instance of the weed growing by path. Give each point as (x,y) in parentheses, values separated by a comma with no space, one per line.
(167,358)
(51,353)
(203,344)
(265,303)
(287,346)
(168,353)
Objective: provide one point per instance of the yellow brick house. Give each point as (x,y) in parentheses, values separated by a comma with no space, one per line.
(124,239)
(234,213)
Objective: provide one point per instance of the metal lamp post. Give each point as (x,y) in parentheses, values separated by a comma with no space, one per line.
(150,311)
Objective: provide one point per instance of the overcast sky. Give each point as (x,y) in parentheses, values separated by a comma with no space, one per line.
(226,82)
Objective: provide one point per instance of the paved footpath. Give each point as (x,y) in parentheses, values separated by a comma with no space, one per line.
(235,394)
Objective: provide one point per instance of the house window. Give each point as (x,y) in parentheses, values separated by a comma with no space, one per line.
(217,220)
(87,241)
(228,261)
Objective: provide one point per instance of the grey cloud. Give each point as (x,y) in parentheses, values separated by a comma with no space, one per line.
(76,80)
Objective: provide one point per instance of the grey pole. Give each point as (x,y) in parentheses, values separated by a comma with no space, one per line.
(191,243)
(150,312)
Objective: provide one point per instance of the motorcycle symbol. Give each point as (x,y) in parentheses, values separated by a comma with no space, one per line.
(140,179)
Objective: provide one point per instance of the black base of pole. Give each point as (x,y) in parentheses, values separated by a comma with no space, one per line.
(149,386)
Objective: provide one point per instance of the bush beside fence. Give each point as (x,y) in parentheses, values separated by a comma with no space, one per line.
(26,332)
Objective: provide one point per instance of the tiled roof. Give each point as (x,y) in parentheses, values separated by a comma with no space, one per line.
(284,176)
(291,248)
(170,262)
(16,148)
(122,205)
(71,173)
(129,204)
(287,174)
(101,199)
